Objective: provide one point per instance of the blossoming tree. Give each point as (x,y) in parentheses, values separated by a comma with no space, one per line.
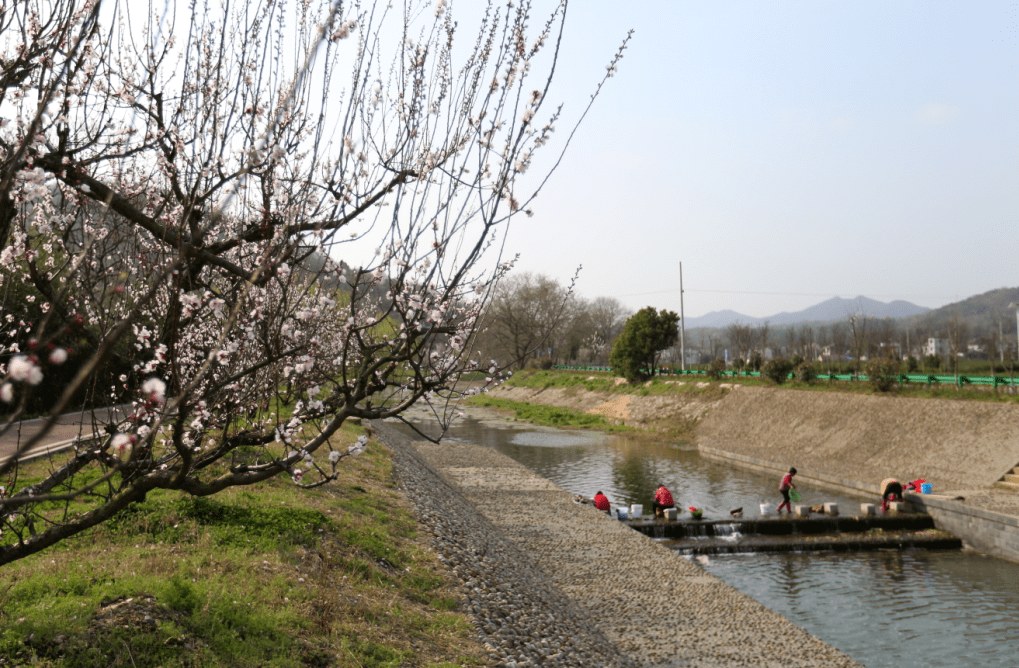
(174,205)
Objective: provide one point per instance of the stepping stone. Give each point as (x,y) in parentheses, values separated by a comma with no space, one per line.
(802,511)
(831,509)
(898,506)
(868,509)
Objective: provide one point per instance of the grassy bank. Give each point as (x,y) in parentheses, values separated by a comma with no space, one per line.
(549,416)
(606,382)
(271,575)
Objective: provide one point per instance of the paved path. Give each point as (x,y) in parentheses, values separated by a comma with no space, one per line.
(68,426)
(658,608)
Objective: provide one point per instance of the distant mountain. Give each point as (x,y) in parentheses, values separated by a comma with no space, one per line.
(829,310)
(979,312)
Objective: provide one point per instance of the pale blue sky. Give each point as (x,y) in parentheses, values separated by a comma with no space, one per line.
(804,149)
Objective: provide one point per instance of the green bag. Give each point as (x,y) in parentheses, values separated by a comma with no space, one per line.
(794,495)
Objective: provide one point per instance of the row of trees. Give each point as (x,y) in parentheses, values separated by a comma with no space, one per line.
(859,338)
(534,319)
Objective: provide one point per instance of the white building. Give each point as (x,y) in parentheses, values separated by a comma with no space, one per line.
(936,347)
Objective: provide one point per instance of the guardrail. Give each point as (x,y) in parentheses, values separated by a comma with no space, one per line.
(904,378)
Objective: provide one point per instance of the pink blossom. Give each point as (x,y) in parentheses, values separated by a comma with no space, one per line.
(58,356)
(122,444)
(20,367)
(155,390)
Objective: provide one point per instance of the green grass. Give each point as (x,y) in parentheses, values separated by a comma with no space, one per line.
(550,416)
(270,575)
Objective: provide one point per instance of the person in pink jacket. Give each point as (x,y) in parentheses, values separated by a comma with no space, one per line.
(784,487)
(663,500)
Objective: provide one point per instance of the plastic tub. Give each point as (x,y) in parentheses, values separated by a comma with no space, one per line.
(926,488)
(636,510)
(767,509)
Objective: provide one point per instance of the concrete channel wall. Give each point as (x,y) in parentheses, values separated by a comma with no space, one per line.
(986,530)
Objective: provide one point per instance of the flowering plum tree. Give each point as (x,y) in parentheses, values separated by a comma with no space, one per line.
(174,205)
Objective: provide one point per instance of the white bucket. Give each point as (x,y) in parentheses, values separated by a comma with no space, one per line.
(636,510)
(767,509)
(671,513)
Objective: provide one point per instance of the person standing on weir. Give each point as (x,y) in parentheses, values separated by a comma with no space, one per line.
(601,502)
(663,500)
(784,487)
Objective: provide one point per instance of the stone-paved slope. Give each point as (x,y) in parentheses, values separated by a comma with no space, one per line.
(523,619)
(657,607)
(955,445)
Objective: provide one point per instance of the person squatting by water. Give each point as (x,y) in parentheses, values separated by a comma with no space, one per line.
(891,490)
(601,502)
(784,487)
(663,500)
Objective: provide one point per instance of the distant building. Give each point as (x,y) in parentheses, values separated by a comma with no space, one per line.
(937,347)
(891,349)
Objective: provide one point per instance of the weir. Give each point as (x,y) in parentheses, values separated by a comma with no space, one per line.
(835,534)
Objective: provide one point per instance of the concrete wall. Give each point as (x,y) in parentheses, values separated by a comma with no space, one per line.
(985,530)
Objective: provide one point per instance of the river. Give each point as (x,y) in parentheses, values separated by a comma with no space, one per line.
(902,609)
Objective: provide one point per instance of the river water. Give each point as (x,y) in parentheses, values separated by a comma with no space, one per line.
(902,609)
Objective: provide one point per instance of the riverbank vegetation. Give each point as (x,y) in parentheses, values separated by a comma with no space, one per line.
(273,575)
(548,416)
(600,381)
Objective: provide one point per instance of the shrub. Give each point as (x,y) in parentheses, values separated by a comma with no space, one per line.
(883,373)
(543,363)
(805,373)
(755,362)
(715,369)
(778,369)
(912,365)
(933,361)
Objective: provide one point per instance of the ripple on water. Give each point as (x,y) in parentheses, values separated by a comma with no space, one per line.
(542,439)
(898,609)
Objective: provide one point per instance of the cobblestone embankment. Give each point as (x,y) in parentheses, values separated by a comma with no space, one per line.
(554,583)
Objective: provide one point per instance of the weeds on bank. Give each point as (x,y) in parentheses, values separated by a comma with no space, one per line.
(549,416)
(271,575)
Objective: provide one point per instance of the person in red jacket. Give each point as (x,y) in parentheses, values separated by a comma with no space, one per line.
(784,487)
(601,502)
(663,500)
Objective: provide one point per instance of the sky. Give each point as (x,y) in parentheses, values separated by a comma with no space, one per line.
(785,153)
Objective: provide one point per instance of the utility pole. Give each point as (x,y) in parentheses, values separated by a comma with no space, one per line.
(1014,305)
(683,326)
